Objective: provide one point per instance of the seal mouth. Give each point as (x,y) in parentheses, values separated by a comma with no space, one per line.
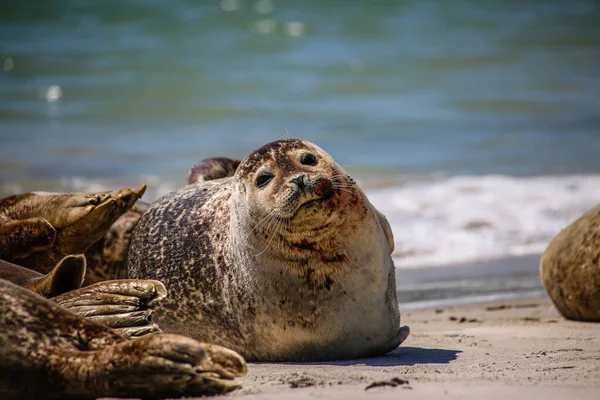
(311,202)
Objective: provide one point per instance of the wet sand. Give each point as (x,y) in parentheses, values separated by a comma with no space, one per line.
(523,349)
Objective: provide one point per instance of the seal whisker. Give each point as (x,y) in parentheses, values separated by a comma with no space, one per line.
(273,232)
(267,217)
(345,184)
(343,189)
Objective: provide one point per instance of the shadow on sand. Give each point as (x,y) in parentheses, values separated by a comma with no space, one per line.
(402,356)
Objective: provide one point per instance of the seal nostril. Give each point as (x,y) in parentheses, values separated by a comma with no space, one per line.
(323,188)
(299,182)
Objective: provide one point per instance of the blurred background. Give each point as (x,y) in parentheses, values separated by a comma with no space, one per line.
(473,125)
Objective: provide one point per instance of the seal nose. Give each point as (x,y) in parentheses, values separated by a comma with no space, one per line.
(323,188)
(300,182)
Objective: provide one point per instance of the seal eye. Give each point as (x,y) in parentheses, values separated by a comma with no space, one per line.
(308,159)
(263,179)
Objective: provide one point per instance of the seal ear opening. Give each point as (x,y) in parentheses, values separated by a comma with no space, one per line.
(67,275)
(387,230)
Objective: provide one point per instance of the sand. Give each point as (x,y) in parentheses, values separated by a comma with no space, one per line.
(521,349)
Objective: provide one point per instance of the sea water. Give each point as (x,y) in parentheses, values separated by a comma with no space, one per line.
(473,125)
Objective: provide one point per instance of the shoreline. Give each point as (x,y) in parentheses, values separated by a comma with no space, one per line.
(523,348)
(505,279)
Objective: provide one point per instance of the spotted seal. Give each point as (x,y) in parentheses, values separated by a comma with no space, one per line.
(285,260)
(47,352)
(570,268)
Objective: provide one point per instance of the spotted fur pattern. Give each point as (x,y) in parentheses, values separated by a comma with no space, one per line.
(298,268)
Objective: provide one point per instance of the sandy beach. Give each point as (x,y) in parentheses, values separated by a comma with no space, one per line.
(520,349)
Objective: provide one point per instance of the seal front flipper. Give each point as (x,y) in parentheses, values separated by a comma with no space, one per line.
(392,343)
(124,304)
(387,229)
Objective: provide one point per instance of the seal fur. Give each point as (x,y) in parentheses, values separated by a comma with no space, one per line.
(286,260)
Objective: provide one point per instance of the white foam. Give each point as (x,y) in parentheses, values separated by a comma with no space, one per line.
(464,219)
(459,219)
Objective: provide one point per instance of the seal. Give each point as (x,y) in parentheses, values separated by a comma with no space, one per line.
(570,268)
(286,260)
(47,352)
(38,229)
(212,168)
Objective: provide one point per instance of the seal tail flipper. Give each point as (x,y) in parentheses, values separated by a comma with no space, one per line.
(38,229)
(78,236)
(67,275)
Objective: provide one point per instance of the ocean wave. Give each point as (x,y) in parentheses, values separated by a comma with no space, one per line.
(464,219)
(442,221)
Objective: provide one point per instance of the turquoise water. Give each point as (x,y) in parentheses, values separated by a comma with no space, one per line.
(474,125)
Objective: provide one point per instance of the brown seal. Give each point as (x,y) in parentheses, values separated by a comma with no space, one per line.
(38,229)
(46,352)
(211,169)
(286,260)
(570,268)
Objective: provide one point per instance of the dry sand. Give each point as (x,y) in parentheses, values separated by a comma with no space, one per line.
(521,349)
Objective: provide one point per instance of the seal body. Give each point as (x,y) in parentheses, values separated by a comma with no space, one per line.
(570,268)
(286,260)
